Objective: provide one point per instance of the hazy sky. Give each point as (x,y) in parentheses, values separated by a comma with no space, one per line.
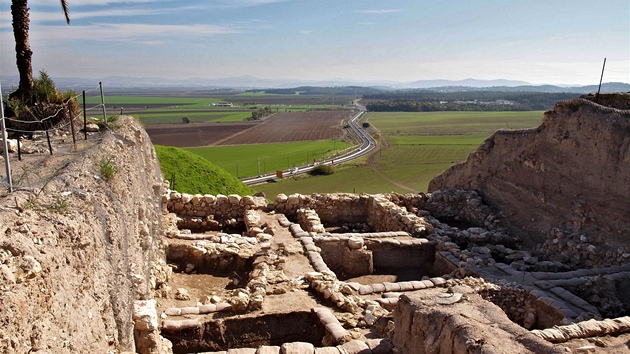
(538,41)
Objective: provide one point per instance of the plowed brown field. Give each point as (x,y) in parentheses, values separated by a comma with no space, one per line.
(277,128)
(194,134)
(293,126)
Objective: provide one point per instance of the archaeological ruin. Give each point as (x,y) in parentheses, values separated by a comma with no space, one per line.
(523,248)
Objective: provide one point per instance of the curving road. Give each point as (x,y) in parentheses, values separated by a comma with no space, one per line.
(368,143)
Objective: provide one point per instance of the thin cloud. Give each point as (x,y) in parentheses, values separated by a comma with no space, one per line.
(41,16)
(378,12)
(55,3)
(136,33)
(235,4)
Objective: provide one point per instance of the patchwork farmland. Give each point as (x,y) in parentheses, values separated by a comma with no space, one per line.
(279,127)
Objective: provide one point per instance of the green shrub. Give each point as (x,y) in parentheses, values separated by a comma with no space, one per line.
(322,170)
(107,169)
(44,101)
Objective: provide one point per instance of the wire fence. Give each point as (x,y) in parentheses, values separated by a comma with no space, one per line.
(53,124)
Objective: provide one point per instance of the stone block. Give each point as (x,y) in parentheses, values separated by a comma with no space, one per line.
(268,349)
(391,287)
(355,347)
(297,348)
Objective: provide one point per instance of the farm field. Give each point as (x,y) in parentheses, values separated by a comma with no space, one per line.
(277,128)
(415,147)
(444,123)
(252,160)
(194,134)
(294,126)
(154,108)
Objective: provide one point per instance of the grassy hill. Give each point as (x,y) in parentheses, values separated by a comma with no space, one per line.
(194,174)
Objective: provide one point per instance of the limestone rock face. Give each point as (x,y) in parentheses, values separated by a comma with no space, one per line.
(449,329)
(572,173)
(75,255)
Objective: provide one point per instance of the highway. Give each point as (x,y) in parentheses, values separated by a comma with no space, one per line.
(368,143)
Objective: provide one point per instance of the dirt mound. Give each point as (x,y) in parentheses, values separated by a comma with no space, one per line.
(570,175)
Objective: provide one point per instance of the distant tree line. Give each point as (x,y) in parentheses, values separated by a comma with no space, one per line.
(415,106)
(425,101)
(326,91)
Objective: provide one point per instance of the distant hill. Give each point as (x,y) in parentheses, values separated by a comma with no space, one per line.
(606,87)
(467,82)
(154,84)
(194,174)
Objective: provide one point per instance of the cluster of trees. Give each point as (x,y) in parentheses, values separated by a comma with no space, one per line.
(427,101)
(261,113)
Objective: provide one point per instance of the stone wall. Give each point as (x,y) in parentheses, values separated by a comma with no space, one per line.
(208,212)
(376,211)
(454,206)
(331,208)
(351,257)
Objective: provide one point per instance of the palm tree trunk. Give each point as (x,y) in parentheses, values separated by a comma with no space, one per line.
(19,11)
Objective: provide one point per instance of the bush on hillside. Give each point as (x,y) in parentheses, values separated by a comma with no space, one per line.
(322,170)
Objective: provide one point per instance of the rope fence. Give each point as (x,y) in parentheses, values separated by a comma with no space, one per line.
(52,123)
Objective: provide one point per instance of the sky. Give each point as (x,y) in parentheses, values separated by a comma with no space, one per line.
(557,42)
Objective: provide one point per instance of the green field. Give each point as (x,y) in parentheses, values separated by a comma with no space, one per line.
(157,117)
(252,160)
(169,101)
(421,146)
(445,123)
(171,109)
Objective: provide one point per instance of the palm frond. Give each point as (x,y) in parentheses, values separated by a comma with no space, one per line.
(66,11)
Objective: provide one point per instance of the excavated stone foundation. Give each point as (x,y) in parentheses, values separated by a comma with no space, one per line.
(248,332)
(405,260)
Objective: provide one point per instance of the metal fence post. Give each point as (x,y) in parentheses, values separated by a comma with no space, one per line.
(100,84)
(84,117)
(4,143)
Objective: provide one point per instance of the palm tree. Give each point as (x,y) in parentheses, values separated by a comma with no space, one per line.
(19,12)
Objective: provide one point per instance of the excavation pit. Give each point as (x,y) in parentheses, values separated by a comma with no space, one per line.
(457,222)
(609,294)
(213,259)
(248,332)
(347,227)
(367,261)
(203,224)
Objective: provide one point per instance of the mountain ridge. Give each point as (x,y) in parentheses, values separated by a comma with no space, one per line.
(251,82)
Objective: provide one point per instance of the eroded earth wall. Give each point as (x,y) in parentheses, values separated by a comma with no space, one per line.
(75,254)
(565,183)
